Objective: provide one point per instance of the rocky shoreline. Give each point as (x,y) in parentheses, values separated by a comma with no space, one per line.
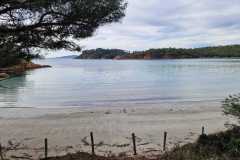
(4,76)
(19,69)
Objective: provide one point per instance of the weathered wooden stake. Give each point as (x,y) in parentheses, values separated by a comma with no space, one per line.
(46,148)
(164,141)
(134,144)
(92,143)
(1,153)
(203,131)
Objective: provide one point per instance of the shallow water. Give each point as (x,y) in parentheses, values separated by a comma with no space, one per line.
(93,83)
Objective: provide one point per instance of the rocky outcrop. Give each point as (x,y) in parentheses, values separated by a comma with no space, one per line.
(30,65)
(148,55)
(152,56)
(4,76)
(130,56)
(20,68)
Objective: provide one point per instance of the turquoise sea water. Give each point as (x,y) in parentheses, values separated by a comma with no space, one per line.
(87,83)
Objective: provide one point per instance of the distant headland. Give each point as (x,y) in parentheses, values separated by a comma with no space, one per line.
(229,51)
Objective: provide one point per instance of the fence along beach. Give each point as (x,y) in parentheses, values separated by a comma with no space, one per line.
(68,131)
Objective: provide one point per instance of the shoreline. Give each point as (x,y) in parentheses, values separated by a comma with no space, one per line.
(8,72)
(161,59)
(161,53)
(68,130)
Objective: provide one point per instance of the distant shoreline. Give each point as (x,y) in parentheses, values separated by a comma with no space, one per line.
(230,51)
(236,58)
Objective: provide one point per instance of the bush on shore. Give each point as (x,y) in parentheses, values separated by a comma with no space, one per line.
(220,146)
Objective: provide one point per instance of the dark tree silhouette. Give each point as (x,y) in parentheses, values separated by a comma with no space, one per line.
(51,24)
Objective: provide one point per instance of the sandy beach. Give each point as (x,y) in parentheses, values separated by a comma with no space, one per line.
(22,130)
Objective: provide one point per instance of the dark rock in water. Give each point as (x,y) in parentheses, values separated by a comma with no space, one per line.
(31,65)
(3,76)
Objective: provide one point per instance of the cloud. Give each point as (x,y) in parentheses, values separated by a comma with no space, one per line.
(172,23)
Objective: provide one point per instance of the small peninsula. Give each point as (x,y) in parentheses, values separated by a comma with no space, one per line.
(229,51)
(19,68)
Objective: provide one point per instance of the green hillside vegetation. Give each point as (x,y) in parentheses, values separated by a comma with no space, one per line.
(101,53)
(231,51)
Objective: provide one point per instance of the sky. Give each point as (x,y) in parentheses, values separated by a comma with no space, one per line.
(171,23)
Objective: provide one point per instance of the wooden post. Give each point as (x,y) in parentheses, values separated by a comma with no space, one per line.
(203,131)
(46,148)
(1,153)
(92,143)
(164,141)
(134,144)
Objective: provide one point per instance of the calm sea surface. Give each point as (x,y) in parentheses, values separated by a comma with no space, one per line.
(88,83)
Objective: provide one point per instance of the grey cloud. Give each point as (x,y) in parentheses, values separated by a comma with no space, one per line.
(172,23)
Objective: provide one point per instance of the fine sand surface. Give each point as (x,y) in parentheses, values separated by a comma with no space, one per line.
(22,131)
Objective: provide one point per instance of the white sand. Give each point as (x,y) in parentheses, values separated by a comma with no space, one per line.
(68,129)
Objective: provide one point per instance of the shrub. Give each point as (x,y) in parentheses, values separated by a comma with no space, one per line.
(231,106)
